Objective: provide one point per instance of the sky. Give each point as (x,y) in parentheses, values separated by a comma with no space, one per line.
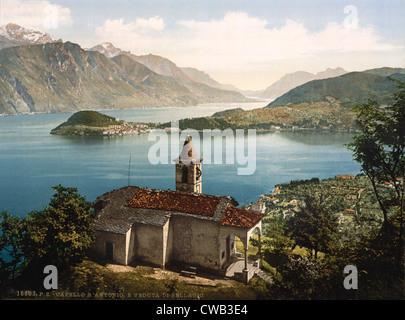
(249,44)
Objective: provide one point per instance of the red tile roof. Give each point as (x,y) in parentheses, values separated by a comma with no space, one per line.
(200,204)
(240,218)
(151,207)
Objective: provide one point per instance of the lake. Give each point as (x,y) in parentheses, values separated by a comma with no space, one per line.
(32,160)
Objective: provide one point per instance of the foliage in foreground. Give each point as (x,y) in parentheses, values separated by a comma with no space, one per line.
(58,235)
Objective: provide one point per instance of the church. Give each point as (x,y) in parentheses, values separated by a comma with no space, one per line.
(160,227)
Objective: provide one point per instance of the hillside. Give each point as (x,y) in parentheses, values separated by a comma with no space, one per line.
(165,90)
(200,76)
(321,104)
(62,77)
(92,119)
(305,116)
(348,90)
(292,80)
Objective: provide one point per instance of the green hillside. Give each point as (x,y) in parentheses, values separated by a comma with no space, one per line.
(96,124)
(92,119)
(321,104)
(318,115)
(348,90)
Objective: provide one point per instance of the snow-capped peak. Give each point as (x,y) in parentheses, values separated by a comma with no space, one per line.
(17,33)
(108,49)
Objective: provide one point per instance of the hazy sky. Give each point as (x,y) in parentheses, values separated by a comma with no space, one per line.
(249,44)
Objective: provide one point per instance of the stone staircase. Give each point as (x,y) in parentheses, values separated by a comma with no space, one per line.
(263,275)
(235,271)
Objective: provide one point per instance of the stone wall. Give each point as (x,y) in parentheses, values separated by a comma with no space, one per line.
(119,243)
(147,244)
(195,241)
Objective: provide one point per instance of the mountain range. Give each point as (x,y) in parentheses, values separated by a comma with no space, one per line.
(38,74)
(198,82)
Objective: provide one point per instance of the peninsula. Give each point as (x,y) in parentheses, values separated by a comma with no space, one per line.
(93,123)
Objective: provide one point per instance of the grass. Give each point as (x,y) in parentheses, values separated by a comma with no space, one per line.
(98,282)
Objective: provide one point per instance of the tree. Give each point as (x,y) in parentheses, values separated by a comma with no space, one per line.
(61,233)
(379,148)
(312,226)
(277,247)
(300,278)
(11,254)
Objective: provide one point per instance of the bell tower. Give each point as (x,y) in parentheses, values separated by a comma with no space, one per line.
(188,169)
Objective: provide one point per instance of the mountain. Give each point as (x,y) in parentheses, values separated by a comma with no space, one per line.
(347,90)
(200,76)
(62,77)
(160,65)
(207,90)
(165,91)
(163,66)
(14,35)
(296,79)
(108,49)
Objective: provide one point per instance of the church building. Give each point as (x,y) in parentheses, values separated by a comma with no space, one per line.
(185,226)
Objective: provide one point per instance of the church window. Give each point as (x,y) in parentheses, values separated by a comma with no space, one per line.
(184,175)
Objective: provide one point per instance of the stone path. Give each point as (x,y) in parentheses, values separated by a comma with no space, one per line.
(238,265)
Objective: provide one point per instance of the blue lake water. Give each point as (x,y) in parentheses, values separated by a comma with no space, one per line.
(32,160)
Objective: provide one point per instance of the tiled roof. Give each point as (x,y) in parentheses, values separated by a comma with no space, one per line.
(240,218)
(117,210)
(198,204)
(113,215)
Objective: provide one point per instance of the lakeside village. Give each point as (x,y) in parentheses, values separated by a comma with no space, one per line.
(126,129)
(130,129)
